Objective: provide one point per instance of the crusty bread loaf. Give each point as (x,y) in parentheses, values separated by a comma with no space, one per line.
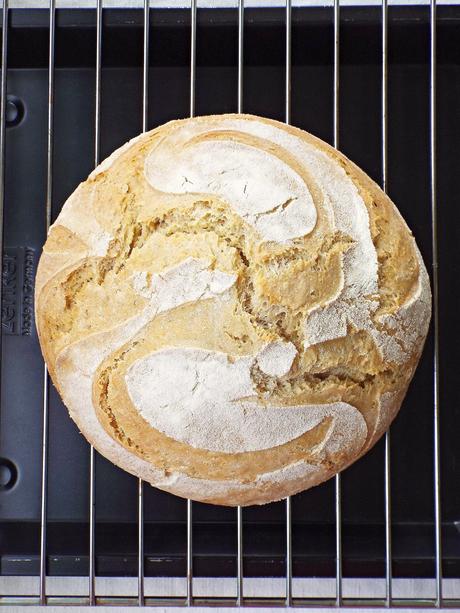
(231,309)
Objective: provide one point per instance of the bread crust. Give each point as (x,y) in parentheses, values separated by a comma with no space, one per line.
(159,265)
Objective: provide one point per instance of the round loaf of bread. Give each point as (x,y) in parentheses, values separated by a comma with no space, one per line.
(231,309)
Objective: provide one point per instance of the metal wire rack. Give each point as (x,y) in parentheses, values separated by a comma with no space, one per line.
(240,598)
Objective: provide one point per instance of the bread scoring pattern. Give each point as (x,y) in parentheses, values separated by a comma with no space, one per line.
(264,328)
(266,191)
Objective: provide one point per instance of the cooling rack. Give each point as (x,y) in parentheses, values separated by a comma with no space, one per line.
(239,590)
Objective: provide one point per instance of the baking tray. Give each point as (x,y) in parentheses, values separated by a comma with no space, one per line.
(313,512)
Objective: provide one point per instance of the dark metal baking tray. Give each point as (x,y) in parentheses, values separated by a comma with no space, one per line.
(360,137)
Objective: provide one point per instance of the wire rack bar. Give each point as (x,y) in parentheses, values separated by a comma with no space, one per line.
(193,3)
(239,511)
(387,462)
(288,551)
(92,511)
(336,72)
(288,61)
(140,535)
(189,554)
(287,119)
(44,488)
(384,123)
(145,70)
(388,541)
(92,455)
(50,142)
(434,239)
(140,485)
(97,120)
(192,56)
(240,54)
(338,481)
(338,541)
(48,205)
(239,584)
